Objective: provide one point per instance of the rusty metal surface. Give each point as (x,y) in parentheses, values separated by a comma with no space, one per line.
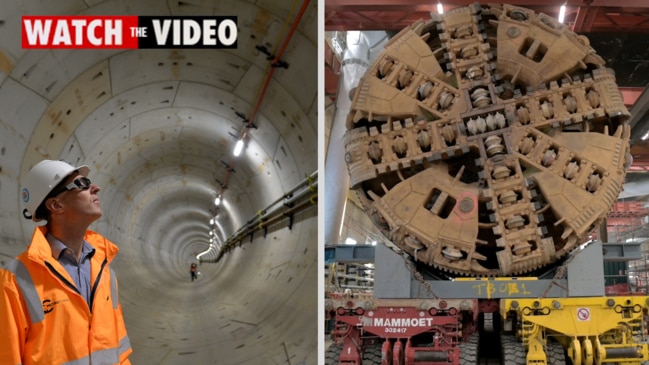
(488,141)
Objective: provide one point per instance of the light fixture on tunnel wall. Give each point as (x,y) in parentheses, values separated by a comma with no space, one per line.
(211,221)
(562,13)
(440,8)
(211,233)
(217,201)
(238,147)
(275,61)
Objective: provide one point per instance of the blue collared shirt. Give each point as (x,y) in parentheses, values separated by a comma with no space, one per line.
(79,271)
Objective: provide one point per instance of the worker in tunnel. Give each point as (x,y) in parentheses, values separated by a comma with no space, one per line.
(59,301)
(193,270)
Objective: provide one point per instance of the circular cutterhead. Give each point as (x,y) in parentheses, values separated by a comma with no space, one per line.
(488,141)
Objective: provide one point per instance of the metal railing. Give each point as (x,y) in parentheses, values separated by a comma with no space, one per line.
(301,197)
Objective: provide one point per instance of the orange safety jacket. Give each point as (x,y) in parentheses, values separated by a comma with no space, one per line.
(44,319)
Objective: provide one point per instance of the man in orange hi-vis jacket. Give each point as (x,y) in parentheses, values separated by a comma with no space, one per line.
(58,300)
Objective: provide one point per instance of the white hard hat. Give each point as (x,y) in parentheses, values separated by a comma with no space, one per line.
(40,181)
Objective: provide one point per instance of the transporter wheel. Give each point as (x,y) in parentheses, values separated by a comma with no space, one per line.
(469,350)
(333,354)
(556,354)
(372,355)
(513,352)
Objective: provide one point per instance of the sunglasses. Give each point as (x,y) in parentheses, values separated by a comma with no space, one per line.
(81,183)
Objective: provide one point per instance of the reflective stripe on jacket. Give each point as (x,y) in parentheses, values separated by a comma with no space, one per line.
(44,319)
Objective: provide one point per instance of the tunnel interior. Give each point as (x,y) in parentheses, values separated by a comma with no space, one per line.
(157,129)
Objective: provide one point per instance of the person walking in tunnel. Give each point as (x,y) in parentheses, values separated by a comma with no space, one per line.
(193,270)
(59,300)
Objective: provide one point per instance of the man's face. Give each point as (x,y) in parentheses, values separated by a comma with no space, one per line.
(79,201)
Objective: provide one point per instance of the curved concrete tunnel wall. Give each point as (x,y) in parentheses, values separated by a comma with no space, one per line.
(154,127)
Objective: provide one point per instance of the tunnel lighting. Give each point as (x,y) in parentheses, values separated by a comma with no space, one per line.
(211,233)
(217,201)
(211,240)
(238,147)
(350,241)
(440,8)
(562,13)
(211,222)
(646,135)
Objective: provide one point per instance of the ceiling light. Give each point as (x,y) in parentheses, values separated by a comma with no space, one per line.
(211,222)
(440,8)
(350,241)
(211,233)
(562,13)
(646,135)
(238,147)
(217,201)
